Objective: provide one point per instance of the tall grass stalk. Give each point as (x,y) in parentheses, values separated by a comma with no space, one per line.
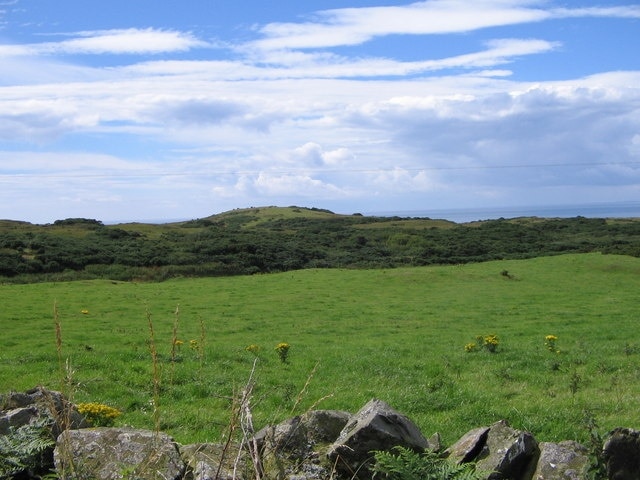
(156,374)
(62,415)
(246,424)
(174,341)
(201,344)
(58,330)
(302,392)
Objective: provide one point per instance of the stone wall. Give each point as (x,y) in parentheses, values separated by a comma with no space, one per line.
(319,445)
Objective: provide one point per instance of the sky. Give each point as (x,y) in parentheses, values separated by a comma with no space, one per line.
(140,110)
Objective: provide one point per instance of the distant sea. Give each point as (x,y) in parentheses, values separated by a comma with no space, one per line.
(460,215)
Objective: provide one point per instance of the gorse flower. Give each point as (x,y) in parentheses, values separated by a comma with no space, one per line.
(253,348)
(283,351)
(98,414)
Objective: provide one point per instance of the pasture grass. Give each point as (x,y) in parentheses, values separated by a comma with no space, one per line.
(397,335)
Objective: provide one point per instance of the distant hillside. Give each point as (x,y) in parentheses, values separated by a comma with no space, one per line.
(273,239)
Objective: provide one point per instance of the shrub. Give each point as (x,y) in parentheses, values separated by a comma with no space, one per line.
(97,414)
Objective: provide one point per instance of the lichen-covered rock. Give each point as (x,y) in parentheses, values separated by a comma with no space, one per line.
(621,454)
(469,446)
(508,453)
(566,460)
(24,407)
(114,453)
(324,426)
(376,426)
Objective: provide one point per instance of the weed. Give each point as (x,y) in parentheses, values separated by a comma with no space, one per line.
(488,342)
(282,349)
(550,343)
(575,382)
(471,347)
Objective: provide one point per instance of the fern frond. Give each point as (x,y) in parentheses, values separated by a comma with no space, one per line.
(404,464)
(22,447)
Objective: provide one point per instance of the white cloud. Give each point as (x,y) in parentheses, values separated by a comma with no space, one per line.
(630,11)
(313,155)
(352,26)
(295,185)
(116,42)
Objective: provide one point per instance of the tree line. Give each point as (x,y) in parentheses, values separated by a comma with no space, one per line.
(244,243)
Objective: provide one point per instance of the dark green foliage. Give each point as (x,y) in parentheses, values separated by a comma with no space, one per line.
(271,240)
(23,449)
(79,221)
(405,464)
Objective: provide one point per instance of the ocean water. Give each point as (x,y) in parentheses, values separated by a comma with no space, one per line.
(459,215)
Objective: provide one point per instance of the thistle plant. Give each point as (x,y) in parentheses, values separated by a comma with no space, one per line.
(283,351)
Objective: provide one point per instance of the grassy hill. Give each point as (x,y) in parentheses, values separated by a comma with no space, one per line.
(276,239)
(396,334)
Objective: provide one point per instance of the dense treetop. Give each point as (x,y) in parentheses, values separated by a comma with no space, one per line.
(275,239)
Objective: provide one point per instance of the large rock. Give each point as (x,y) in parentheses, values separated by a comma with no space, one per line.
(376,426)
(296,448)
(621,454)
(287,437)
(22,408)
(114,453)
(508,453)
(566,460)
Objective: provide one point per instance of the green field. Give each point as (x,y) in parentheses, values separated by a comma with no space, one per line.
(394,334)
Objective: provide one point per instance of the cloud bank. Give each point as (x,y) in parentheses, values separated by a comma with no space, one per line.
(291,116)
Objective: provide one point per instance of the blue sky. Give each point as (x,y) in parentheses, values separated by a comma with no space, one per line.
(147,110)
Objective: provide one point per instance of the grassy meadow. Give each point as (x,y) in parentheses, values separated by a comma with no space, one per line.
(395,334)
